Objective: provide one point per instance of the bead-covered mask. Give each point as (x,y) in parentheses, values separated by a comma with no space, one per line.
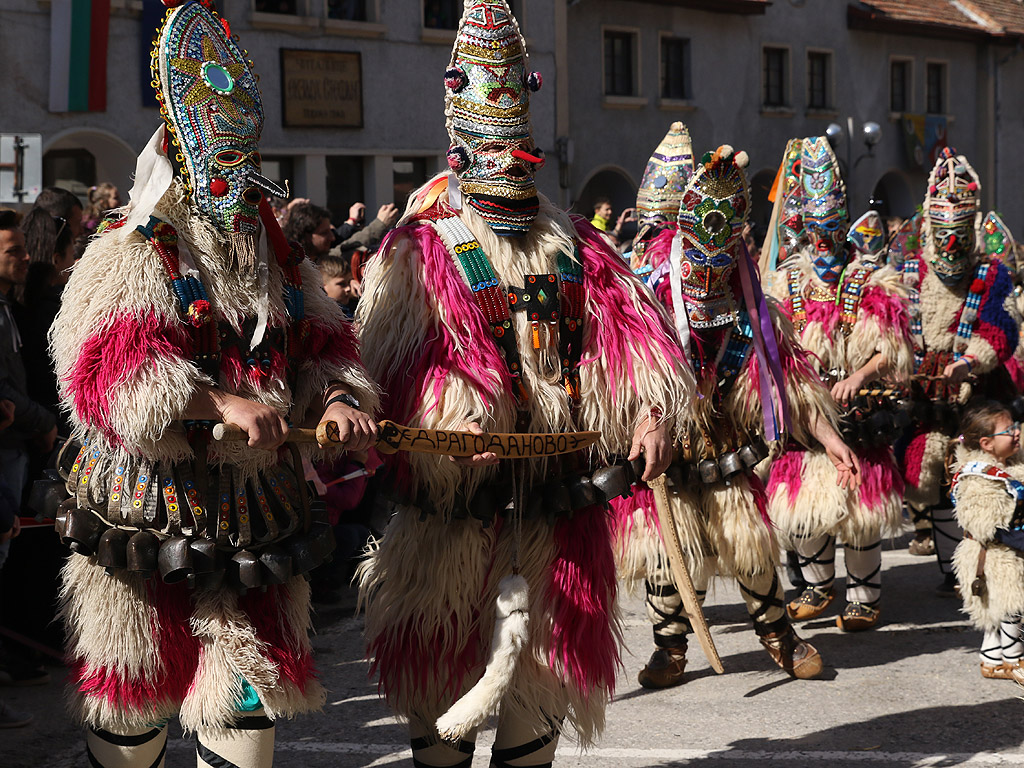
(214,115)
(867,237)
(487,103)
(661,188)
(825,217)
(951,210)
(711,218)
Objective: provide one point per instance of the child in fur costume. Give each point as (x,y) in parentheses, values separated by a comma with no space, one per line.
(852,317)
(751,377)
(988,497)
(493,587)
(185,595)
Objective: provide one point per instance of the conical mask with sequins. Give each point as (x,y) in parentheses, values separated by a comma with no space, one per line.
(214,115)
(952,207)
(715,207)
(825,216)
(867,237)
(661,188)
(487,106)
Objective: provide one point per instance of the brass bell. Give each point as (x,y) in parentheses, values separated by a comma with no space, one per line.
(112,551)
(322,538)
(204,556)
(174,560)
(582,492)
(748,456)
(639,466)
(676,475)
(611,481)
(901,416)
(142,552)
(82,531)
(761,448)
(245,569)
(47,493)
(730,465)
(484,504)
(709,471)
(277,565)
(207,581)
(300,548)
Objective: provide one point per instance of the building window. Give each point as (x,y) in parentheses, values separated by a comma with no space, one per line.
(899,86)
(675,68)
(620,63)
(442,14)
(776,73)
(819,80)
(276,6)
(936,88)
(347,10)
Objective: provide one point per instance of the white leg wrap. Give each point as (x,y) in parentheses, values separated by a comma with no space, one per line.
(141,748)
(992,648)
(947,535)
(1010,636)
(429,750)
(863,572)
(665,606)
(522,743)
(817,557)
(248,744)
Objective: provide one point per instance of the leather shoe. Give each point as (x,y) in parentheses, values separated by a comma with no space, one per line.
(797,657)
(664,669)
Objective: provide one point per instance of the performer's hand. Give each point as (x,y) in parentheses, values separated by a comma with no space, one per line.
(846,464)
(357,430)
(844,391)
(263,424)
(477,460)
(6,414)
(652,440)
(956,373)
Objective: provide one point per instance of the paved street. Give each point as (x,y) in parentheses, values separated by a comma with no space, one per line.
(907,694)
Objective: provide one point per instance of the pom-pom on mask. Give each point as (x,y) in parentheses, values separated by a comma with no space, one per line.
(214,115)
(715,206)
(488,117)
(825,217)
(951,209)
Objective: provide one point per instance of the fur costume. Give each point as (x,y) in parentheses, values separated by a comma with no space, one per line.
(431,585)
(159,305)
(804,499)
(983,505)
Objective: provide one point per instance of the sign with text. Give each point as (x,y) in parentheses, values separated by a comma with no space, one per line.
(321,89)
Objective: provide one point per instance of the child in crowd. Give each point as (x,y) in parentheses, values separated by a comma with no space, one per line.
(336,272)
(988,495)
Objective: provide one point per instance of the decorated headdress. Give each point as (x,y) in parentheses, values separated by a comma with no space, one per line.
(998,241)
(715,206)
(952,209)
(823,209)
(213,112)
(786,228)
(867,237)
(706,251)
(487,109)
(661,188)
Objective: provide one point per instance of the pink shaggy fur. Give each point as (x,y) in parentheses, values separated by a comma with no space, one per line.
(582,595)
(113,356)
(880,478)
(888,310)
(913,456)
(264,609)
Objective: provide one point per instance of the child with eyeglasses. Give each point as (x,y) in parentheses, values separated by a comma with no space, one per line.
(988,497)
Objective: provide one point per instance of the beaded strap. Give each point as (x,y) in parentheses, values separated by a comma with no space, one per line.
(968,315)
(850,294)
(737,350)
(796,301)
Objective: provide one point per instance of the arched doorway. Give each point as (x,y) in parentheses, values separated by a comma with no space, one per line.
(80,158)
(893,196)
(609,181)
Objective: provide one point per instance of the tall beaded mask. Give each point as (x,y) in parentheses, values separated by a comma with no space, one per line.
(826,219)
(714,209)
(487,110)
(214,115)
(662,187)
(952,209)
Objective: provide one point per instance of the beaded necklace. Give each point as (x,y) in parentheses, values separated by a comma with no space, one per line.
(737,350)
(847,297)
(496,304)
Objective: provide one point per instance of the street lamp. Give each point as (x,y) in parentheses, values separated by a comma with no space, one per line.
(870,134)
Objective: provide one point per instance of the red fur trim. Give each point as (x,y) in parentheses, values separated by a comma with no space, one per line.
(788,469)
(888,310)
(114,355)
(913,456)
(880,479)
(266,611)
(582,596)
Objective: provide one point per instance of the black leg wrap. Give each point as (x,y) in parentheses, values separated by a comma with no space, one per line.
(125,741)
(501,757)
(668,618)
(256,723)
(464,764)
(210,757)
(853,581)
(767,601)
(97,764)
(463,746)
(802,562)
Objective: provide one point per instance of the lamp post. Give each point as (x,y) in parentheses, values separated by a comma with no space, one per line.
(870,134)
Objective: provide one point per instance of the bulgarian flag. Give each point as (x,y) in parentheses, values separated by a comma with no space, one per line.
(78,55)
